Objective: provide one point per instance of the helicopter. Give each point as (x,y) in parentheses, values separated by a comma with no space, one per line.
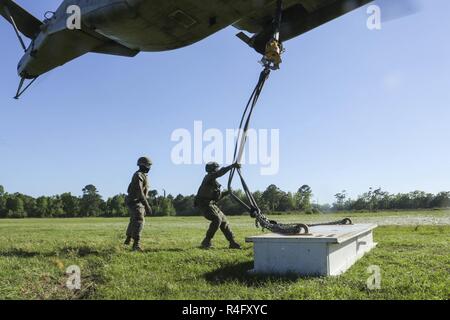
(127,27)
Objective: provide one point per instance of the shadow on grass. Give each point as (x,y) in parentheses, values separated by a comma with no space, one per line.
(156,250)
(82,251)
(240,273)
(19,253)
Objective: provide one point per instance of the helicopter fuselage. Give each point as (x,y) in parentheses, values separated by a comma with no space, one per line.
(127,27)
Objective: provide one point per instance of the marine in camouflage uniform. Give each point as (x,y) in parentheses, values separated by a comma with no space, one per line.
(137,203)
(206,200)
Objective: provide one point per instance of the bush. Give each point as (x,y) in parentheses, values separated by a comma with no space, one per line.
(16,215)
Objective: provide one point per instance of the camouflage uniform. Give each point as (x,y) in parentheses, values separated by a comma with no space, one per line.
(137,206)
(206,201)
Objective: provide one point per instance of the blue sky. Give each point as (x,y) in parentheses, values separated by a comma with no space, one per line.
(355,108)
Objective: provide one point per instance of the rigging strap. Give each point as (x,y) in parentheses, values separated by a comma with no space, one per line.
(270,61)
(249,203)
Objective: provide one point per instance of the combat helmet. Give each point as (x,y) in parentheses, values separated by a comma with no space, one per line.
(145,162)
(212,167)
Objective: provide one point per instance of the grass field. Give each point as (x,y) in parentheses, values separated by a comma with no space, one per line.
(34,253)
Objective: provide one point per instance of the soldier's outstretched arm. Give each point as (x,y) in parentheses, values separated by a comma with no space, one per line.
(224,170)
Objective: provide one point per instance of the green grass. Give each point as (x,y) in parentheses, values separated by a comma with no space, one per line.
(414,261)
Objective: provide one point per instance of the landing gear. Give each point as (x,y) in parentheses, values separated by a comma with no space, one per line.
(11,19)
(13,23)
(20,91)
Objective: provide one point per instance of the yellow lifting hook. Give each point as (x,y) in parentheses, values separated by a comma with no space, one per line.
(274,50)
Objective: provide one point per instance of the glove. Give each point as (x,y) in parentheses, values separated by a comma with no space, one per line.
(237,165)
(225,193)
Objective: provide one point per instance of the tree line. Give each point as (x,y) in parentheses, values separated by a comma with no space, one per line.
(92,204)
(272,199)
(377,199)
